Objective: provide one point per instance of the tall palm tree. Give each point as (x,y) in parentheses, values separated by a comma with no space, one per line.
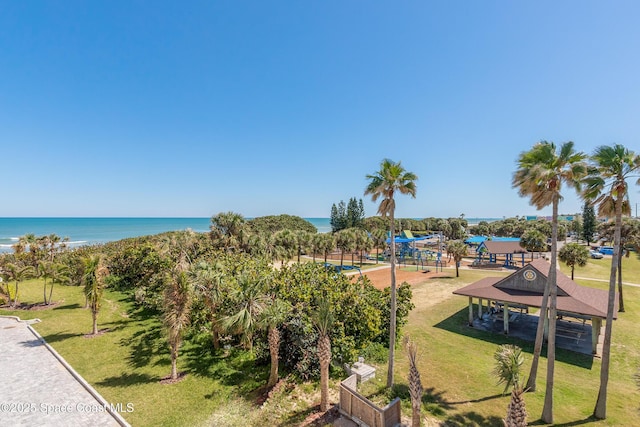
(379,238)
(541,172)
(303,241)
(273,315)
(346,242)
(17,273)
(326,244)
(392,178)
(60,275)
(606,187)
(574,254)
(94,281)
(31,241)
(177,312)
(53,242)
(458,250)
(45,270)
(628,234)
(323,319)
(363,243)
(508,369)
(315,245)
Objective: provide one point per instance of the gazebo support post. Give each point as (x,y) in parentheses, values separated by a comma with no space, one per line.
(480,307)
(470,311)
(596,325)
(505,318)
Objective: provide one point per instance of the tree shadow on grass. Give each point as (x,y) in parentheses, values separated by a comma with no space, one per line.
(57,337)
(144,345)
(588,420)
(68,307)
(482,399)
(458,323)
(231,367)
(116,325)
(126,379)
(435,403)
(471,418)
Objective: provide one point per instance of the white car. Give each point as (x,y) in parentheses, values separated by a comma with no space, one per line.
(596,255)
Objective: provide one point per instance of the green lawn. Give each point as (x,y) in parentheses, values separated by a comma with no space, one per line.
(456,365)
(126,364)
(601,268)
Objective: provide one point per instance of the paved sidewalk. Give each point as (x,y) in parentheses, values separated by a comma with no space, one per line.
(36,389)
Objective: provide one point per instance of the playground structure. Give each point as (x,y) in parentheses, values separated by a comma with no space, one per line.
(407,252)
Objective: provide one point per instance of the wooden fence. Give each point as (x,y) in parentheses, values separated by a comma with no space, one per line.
(362,411)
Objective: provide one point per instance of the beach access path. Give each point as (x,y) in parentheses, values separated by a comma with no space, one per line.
(38,388)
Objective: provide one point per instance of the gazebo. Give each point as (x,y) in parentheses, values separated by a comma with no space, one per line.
(524,288)
(507,248)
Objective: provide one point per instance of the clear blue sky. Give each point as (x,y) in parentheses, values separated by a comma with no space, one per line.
(131,108)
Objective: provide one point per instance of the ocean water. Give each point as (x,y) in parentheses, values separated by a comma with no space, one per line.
(85,231)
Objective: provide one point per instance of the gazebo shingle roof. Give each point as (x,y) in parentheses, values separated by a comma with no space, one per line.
(500,247)
(526,287)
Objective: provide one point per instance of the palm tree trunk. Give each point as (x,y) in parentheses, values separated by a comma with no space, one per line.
(516,412)
(620,299)
(537,347)
(600,410)
(215,338)
(50,293)
(45,291)
(174,361)
(274,344)
(15,297)
(392,315)
(547,410)
(94,314)
(324,348)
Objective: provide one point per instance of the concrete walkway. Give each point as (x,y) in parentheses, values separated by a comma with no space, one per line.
(38,388)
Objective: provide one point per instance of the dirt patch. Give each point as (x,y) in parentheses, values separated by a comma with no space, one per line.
(319,419)
(169,380)
(100,332)
(264,393)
